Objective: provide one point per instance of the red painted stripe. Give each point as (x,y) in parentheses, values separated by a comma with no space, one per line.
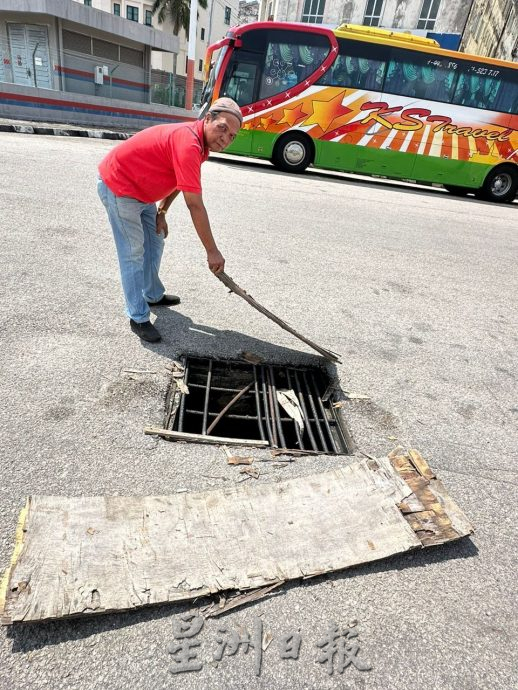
(83,73)
(505,149)
(89,106)
(446,145)
(482,146)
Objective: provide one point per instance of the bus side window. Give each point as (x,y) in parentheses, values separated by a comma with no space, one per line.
(356,67)
(419,75)
(290,58)
(475,89)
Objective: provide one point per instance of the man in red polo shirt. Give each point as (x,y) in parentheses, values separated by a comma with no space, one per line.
(155,165)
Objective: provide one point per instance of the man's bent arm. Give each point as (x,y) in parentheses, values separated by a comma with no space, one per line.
(201,223)
(165,203)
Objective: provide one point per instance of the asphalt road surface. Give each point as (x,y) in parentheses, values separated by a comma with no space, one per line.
(414,288)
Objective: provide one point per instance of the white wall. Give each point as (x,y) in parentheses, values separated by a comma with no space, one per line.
(402,14)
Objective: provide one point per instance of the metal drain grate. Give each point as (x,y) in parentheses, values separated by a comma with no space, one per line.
(259,404)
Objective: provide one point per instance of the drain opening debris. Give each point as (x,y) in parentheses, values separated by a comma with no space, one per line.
(261,404)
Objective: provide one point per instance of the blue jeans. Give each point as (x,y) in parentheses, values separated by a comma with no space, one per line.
(139,249)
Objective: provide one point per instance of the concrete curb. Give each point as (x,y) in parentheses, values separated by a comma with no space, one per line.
(64,132)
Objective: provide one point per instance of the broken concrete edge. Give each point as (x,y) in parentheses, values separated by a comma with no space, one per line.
(18,547)
(65,132)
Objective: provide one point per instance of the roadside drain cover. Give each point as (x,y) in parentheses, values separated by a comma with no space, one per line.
(223,401)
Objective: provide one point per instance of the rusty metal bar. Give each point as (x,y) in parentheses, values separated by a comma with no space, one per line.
(258,405)
(314,410)
(324,415)
(305,412)
(181,412)
(297,428)
(266,413)
(272,431)
(276,406)
(246,417)
(206,402)
(220,389)
(229,405)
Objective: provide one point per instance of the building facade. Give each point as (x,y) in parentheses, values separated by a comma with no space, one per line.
(248,11)
(492,29)
(170,70)
(63,61)
(441,16)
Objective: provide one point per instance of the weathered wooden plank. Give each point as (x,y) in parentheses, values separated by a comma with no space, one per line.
(87,555)
(201,438)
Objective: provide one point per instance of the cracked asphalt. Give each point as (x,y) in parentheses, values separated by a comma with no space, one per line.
(414,288)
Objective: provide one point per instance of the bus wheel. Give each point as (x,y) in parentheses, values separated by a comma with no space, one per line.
(457,191)
(500,185)
(293,152)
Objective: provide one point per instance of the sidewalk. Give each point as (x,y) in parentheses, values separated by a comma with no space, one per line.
(64,130)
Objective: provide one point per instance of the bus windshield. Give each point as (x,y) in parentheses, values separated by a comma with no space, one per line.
(271,61)
(213,72)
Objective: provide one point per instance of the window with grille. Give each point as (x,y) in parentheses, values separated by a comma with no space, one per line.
(131,56)
(227,14)
(79,43)
(117,9)
(429,12)
(132,13)
(148,20)
(313,11)
(373,12)
(105,49)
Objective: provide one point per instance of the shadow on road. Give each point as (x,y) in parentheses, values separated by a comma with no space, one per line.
(351,178)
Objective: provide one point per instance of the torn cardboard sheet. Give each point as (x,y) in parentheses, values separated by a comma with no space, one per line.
(234,287)
(290,403)
(86,555)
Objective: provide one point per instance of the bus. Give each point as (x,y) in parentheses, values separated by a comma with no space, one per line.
(370,101)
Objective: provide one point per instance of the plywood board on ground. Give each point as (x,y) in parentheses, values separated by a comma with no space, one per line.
(78,556)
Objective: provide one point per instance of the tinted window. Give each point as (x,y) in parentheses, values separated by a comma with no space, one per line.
(491,88)
(241,80)
(421,75)
(290,58)
(358,65)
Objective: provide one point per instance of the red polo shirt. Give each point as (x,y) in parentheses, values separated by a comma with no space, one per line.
(154,162)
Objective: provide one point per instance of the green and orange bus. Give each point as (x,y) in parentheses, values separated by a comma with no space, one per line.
(370,101)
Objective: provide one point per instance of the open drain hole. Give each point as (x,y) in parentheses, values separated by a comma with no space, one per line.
(266,405)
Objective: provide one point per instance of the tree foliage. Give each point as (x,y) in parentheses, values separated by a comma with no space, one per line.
(175,11)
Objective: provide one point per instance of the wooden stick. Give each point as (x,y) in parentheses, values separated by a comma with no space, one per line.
(200,438)
(228,406)
(214,610)
(227,280)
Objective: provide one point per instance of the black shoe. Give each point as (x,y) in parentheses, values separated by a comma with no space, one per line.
(166,301)
(145,331)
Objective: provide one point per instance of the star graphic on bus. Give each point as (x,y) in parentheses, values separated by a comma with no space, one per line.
(328,113)
(267,121)
(291,115)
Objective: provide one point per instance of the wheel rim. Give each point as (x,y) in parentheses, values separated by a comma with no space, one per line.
(501,184)
(294,152)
